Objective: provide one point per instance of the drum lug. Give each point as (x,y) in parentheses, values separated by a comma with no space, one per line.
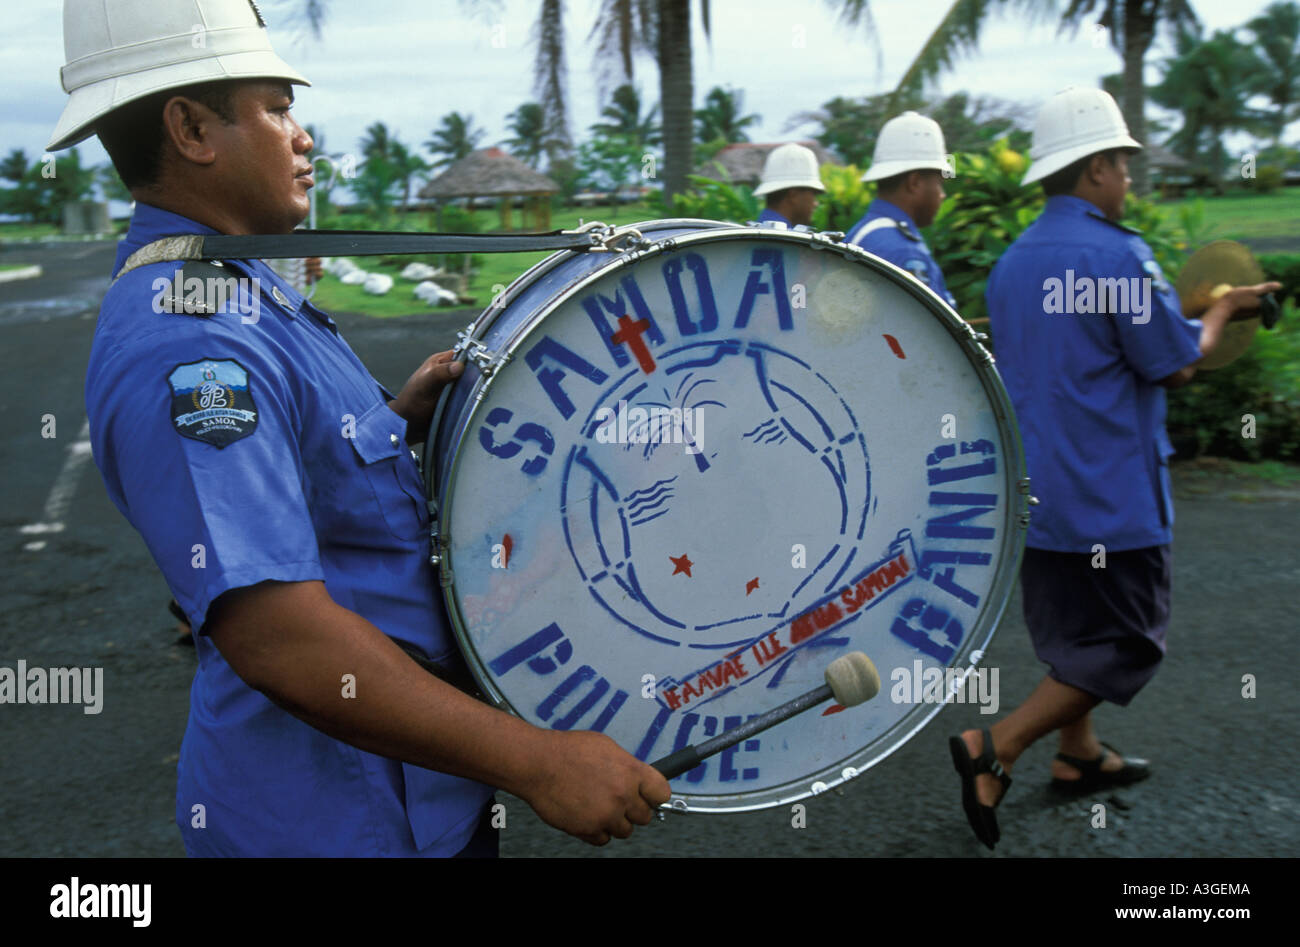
(439,561)
(471,349)
(1022,487)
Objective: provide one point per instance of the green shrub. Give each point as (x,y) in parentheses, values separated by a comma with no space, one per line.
(1264,382)
(1285,268)
(1268,177)
(986,209)
(712,200)
(845,199)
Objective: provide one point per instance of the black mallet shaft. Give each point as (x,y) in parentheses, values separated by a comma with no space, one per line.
(851,679)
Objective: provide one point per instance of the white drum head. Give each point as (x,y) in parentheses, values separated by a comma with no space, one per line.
(659,525)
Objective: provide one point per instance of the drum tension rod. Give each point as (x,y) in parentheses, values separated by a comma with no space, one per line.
(469,348)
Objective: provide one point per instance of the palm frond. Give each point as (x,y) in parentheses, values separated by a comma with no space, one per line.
(958,34)
(854,13)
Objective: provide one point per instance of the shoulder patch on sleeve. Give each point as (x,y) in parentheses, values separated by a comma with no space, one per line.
(918,268)
(212,401)
(1152,269)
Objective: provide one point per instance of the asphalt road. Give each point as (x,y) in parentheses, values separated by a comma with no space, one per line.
(103,785)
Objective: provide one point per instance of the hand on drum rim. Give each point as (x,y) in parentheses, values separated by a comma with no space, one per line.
(418,398)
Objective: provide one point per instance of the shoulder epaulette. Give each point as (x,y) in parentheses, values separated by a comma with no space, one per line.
(183,297)
(906,230)
(1114,223)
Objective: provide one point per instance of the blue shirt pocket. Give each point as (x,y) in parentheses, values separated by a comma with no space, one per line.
(380,445)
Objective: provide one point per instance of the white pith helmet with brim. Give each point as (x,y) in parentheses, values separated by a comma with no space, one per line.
(121,50)
(790,165)
(908,142)
(1073,124)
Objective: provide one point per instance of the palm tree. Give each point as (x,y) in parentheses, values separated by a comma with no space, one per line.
(455,138)
(1130,24)
(377,142)
(527,125)
(550,77)
(623,118)
(1277,37)
(676,88)
(720,119)
(1209,82)
(622,29)
(406,164)
(661,28)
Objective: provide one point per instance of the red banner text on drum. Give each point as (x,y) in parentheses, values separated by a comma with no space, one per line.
(769,651)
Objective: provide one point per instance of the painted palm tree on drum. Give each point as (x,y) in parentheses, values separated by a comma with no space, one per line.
(678,419)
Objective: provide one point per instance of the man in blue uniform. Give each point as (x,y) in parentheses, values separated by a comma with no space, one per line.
(910,164)
(789,186)
(272,479)
(1088,335)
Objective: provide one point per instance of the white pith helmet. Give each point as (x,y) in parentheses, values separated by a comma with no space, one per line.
(122,50)
(1075,123)
(790,165)
(907,142)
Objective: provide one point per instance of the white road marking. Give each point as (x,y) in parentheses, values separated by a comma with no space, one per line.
(64,489)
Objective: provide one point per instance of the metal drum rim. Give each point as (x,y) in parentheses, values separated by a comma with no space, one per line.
(1011,548)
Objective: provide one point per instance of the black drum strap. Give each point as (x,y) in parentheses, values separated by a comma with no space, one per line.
(305,243)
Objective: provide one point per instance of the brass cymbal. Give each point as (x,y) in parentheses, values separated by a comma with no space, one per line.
(1208,273)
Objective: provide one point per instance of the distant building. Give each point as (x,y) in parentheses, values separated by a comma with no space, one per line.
(490,172)
(1169,173)
(742,162)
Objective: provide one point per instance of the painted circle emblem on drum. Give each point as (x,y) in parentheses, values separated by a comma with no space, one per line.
(678,481)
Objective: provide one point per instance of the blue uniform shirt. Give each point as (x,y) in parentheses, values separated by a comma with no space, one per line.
(900,243)
(771,215)
(1081,361)
(253,445)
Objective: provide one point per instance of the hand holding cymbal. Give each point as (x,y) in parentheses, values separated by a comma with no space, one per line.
(1226,268)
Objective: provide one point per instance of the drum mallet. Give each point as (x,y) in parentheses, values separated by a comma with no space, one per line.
(851,679)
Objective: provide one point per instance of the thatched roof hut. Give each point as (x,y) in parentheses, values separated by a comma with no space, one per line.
(490,172)
(742,162)
(1170,172)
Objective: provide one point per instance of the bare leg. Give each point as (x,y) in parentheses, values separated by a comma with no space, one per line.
(1051,706)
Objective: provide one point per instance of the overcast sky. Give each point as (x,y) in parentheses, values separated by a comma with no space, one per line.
(408,62)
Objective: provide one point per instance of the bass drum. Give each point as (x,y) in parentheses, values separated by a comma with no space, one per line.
(681,474)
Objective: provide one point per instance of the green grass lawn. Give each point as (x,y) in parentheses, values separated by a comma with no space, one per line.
(496,270)
(27,231)
(1242,216)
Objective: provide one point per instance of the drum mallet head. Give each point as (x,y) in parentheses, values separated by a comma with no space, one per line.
(851,679)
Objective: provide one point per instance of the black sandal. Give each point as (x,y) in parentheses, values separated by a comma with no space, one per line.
(983,819)
(1092,777)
